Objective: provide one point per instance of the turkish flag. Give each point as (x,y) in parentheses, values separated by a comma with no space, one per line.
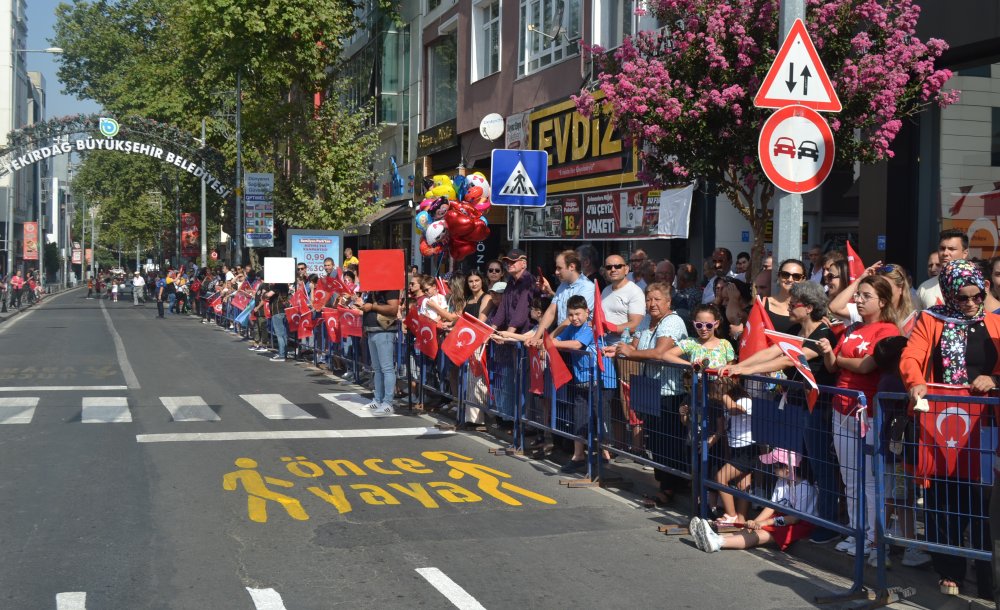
(319,297)
(331,320)
(949,434)
(442,285)
(465,337)
(412,321)
(306,325)
(855,268)
(300,299)
(215,302)
(217,307)
(791,346)
(753,338)
(601,326)
(479,368)
(557,368)
(536,362)
(241,300)
(292,315)
(426,339)
(350,322)
(336,285)
(267,310)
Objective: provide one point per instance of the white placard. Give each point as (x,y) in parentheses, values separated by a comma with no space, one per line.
(279,270)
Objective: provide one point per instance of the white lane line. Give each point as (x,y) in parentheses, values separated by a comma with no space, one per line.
(458,596)
(127,372)
(188,408)
(74,600)
(275,406)
(17,410)
(105,410)
(63,388)
(353,404)
(266,599)
(270,435)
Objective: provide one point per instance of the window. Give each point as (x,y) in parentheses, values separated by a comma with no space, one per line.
(550,32)
(995,140)
(485,38)
(442,77)
(613,21)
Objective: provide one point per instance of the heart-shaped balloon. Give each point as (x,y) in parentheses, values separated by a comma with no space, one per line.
(459,249)
(480,231)
(460,224)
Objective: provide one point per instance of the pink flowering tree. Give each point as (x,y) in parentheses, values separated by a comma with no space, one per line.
(684,96)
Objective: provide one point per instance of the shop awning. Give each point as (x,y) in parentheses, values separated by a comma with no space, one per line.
(365,226)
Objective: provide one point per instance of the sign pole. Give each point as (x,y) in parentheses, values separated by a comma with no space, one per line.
(788,206)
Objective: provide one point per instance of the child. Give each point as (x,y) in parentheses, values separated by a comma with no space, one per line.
(770,525)
(578,335)
(737,406)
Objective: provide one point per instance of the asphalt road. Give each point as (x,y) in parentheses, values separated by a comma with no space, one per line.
(154,463)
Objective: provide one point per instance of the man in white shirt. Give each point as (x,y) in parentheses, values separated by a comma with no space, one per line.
(571,282)
(623,301)
(816,264)
(953,244)
(722,262)
(138,287)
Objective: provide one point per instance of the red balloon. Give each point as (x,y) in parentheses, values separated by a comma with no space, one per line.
(479,232)
(459,223)
(460,248)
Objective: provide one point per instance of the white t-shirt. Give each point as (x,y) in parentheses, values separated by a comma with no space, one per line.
(801,496)
(439,300)
(930,293)
(138,282)
(618,304)
(738,424)
(229,276)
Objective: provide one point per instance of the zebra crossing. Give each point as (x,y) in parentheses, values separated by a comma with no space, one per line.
(19,410)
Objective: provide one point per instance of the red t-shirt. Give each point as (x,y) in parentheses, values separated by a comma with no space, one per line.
(859,341)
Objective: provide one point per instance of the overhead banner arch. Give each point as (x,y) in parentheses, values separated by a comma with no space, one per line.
(134,136)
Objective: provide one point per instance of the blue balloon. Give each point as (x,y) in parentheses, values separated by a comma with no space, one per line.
(421,220)
(483,218)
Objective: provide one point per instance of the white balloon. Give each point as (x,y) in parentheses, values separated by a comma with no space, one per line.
(435,231)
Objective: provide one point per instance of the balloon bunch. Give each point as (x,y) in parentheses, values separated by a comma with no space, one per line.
(452,215)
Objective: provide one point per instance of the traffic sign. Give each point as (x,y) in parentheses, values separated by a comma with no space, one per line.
(796,149)
(520,177)
(214,255)
(797,76)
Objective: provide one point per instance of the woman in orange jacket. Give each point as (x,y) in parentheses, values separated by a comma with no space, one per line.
(955,343)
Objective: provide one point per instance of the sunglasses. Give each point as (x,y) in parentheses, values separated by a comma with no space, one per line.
(979,297)
(830,276)
(799,304)
(610,267)
(887,268)
(705,325)
(795,277)
(493,270)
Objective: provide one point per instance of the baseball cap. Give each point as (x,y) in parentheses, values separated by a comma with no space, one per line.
(514,254)
(499,287)
(782,456)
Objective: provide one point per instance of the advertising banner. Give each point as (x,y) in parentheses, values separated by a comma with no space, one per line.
(636,213)
(258,206)
(30,241)
(190,236)
(313,247)
(77,253)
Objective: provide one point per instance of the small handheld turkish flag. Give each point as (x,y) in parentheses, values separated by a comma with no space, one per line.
(536,363)
(557,368)
(319,297)
(463,340)
(412,320)
(425,339)
(855,268)
(791,346)
(306,325)
(350,322)
(753,338)
(331,320)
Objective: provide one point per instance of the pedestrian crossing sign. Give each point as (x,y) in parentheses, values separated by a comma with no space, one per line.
(520,177)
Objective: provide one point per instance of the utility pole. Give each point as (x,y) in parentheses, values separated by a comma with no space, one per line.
(238,257)
(788,207)
(203,231)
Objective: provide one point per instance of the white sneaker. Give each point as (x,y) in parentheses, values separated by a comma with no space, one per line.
(384,410)
(704,538)
(277,358)
(869,547)
(873,558)
(371,406)
(913,558)
(845,545)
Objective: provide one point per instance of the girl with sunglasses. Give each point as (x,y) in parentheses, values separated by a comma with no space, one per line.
(707,345)
(957,343)
(836,274)
(790,272)
(844,307)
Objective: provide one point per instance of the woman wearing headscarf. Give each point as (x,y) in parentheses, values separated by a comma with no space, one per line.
(957,343)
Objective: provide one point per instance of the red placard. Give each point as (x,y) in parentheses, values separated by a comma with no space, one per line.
(381,270)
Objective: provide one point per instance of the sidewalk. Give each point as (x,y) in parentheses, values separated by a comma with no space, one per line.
(11,312)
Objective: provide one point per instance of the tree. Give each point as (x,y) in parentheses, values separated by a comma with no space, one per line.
(684,97)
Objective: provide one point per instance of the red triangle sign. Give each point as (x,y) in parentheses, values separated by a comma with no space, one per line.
(797,76)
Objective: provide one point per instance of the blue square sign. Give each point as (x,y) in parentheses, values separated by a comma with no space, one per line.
(520,177)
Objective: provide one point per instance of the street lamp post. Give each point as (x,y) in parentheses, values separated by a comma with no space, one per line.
(13,126)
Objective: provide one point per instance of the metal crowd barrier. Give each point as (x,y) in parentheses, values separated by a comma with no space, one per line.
(946,456)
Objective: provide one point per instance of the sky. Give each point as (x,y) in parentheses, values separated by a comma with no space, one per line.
(41,22)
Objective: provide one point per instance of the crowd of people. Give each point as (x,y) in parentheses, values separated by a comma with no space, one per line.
(865,335)
(19,289)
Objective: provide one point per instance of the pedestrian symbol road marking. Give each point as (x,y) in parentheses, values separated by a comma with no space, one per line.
(105,410)
(188,408)
(18,409)
(519,183)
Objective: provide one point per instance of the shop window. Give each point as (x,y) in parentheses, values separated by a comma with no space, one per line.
(549,33)
(485,38)
(613,21)
(442,76)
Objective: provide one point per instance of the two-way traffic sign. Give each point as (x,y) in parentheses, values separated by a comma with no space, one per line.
(797,76)
(520,177)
